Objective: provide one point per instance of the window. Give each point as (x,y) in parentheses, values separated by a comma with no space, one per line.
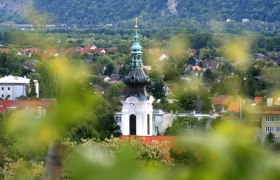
(2,96)
(256,118)
(268,129)
(278,129)
(156,129)
(118,119)
(8,88)
(269,119)
(2,88)
(277,119)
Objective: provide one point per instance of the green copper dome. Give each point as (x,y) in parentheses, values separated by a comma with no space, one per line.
(136,47)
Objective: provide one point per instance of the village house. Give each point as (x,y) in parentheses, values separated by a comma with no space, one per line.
(268,116)
(13,87)
(90,49)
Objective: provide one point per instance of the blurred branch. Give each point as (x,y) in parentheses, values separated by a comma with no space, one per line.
(54,161)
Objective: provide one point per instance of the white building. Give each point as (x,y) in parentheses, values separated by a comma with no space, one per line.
(12,87)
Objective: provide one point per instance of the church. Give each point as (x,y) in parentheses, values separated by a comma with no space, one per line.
(137,116)
(137,109)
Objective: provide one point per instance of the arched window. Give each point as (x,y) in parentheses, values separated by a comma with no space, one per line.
(148,124)
(132,124)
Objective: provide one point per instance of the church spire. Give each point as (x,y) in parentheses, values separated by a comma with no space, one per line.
(136,61)
(136,78)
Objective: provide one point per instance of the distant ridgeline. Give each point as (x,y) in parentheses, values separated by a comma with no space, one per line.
(113,11)
(160,13)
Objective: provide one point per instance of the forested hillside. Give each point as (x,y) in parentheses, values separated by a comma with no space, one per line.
(112,11)
(95,12)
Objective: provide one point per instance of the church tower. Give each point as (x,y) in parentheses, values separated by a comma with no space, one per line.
(137,109)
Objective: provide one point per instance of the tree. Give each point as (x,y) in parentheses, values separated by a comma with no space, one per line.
(31,89)
(107,124)
(184,157)
(191,61)
(113,95)
(208,77)
(270,138)
(157,89)
(10,64)
(186,100)
(48,82)
(85,130)
(109,69)
(185,125)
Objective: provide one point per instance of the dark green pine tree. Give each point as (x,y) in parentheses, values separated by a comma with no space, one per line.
(270,138)
(158,90)
(32,89)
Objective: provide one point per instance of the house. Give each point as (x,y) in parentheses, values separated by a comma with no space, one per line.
(268,117)
(196,68)
(228,20)
(30,65)
(28,51)
(147,68)
(12,87)
(168,89)
(163,57)
(259,100)
(212,64)
(245,20)
(234,108)
(115,77)
(262,57)
(6,50)
(90,49)
(107,79)
(220,104)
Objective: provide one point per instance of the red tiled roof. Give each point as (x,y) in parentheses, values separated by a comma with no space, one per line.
(149,139)
(234,107)
(218,100)
(4,49)
(31,50)
(196,68)
(259,99)
(6,104)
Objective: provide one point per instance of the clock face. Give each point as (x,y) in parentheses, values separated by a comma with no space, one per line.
(132,101)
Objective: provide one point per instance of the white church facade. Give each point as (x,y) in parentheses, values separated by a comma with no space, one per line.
(137,117)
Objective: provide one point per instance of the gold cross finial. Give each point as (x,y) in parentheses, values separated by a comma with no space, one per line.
(136,22)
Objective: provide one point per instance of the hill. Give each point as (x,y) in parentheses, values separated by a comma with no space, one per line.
(153,12)
(14,10)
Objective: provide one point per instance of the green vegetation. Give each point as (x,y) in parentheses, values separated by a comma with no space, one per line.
(157,11)
(186,126)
